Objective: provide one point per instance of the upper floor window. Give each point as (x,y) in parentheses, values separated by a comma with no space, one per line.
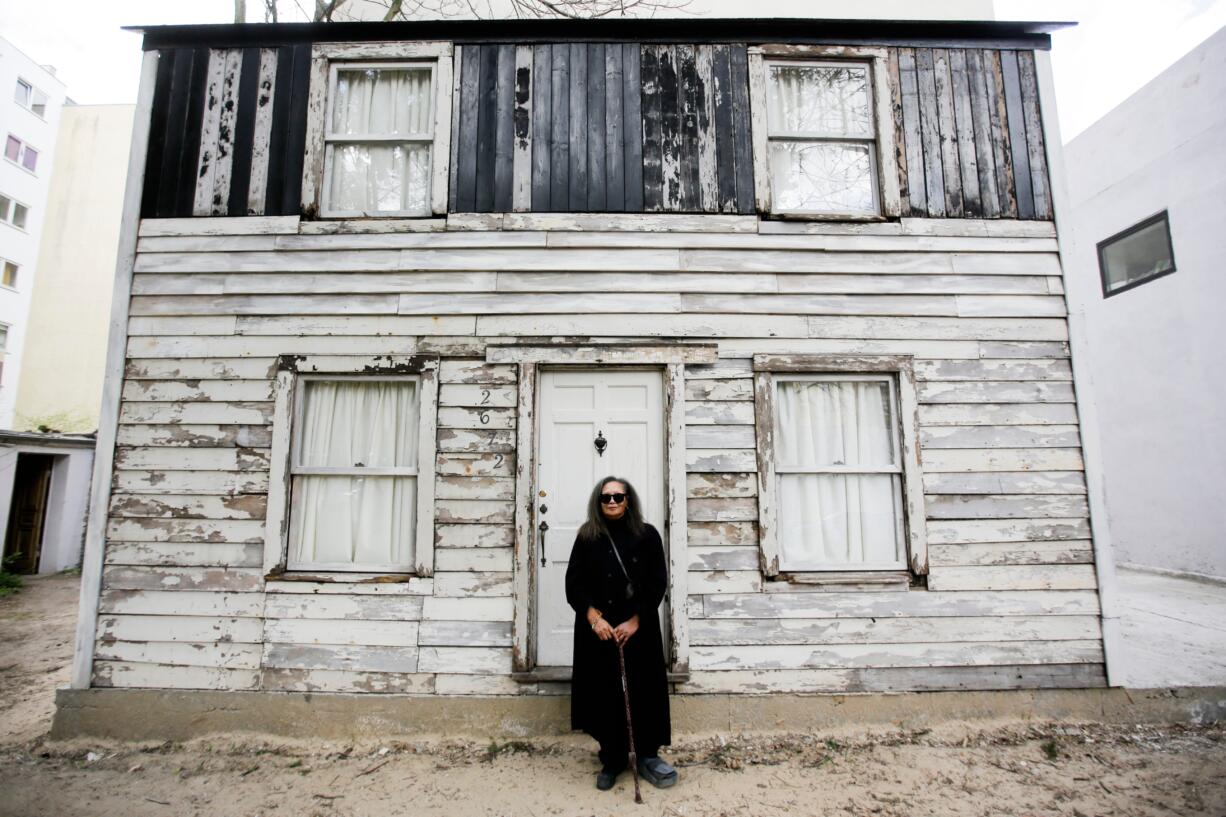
(378,140)
(382,146)
(822,131)
(20,153)
(9,277)
(1136,255)
(30,98)
(13,212)
(821,137)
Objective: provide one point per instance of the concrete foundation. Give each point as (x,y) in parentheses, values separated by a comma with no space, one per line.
(153,714)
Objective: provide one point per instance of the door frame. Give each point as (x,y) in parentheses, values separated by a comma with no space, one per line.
(671,360)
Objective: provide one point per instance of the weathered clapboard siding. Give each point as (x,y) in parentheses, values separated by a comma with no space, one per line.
(1000,449)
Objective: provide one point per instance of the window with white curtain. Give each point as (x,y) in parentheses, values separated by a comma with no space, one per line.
(379,139)
(839,473)
(354,474)
(821,138)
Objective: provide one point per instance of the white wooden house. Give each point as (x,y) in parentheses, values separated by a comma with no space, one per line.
(392,297)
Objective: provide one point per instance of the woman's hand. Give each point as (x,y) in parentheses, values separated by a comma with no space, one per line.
(602,628)
(627,628)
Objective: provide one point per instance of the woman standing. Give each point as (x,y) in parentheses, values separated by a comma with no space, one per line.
(615,582)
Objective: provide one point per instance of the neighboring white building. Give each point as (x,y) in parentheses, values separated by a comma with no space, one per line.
(1146,186)
(65,352)
(31,99)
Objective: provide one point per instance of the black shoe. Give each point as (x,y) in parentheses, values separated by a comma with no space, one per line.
(606,777)
(657,772)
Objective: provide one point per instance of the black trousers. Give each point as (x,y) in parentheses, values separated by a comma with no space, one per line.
(615,751)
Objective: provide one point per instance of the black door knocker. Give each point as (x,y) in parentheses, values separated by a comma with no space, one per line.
(600,442)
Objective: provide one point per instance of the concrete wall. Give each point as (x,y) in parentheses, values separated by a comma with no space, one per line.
(1156,349)
(30,188)
(64,358)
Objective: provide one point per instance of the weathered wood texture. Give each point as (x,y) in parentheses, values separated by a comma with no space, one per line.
(972,142)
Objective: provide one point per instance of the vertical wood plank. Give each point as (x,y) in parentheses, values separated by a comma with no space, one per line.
(453,164)
(186,159)
(917,193)
(442,128)
(596,131)
(244,131)
(887,141)
(1001,149)
(521,167)
(312,180)
(949,137)
(1017,135)
(487,123)
(423,546)
(678,546)
(653,145)
(205,164)
(276,512)
(934,176)
(542,123)
(741,127)
(615,124)
(724,151)
(687,132)
(176,125)
(708,183)
(160,104)
(295,142)
(504,129)
(261,138)
(559,185)
(1035,148)
(525,492)
(466,151)
(278,132)
(900,137)
(965,128)
(768,535)
(578,128)
(989,196)
(670,128)
(224,161)
(632,129)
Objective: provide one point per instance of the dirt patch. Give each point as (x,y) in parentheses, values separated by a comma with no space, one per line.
(1015,769)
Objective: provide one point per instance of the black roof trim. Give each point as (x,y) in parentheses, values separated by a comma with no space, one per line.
(986,34)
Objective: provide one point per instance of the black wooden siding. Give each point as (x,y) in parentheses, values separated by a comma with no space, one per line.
(610,127)
(172,163)
(613,127)
(969,134)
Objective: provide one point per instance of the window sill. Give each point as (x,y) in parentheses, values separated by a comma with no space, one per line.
(857,217)
(882,581)
(394,580)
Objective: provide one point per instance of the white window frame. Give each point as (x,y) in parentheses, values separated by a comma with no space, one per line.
(883,160)
(6,216)
(327,58)
(32,93)
(24,147)
(294,371)
(911,527)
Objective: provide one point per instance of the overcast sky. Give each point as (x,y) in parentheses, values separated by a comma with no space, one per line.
(1118,46)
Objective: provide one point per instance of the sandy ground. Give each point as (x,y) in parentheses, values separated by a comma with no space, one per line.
(1021,769)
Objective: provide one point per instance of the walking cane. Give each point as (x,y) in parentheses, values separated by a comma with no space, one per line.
(634,763)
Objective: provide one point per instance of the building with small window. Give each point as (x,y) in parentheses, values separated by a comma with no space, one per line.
(31,100)
(393,297)
(1145,185)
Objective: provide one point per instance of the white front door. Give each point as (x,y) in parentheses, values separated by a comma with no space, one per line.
(626,411)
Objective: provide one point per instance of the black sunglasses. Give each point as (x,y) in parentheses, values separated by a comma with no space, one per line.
(612,499)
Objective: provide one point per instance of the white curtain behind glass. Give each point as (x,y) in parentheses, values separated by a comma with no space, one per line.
(356,519)
(836,519)
(389,176)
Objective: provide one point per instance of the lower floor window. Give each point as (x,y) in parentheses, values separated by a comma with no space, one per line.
(838,471)
(354,470)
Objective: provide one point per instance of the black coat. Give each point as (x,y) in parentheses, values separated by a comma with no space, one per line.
(594,579)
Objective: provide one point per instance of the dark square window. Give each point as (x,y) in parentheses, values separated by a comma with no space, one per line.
(1136,255)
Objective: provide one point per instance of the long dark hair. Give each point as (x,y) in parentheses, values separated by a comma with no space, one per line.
(595,527)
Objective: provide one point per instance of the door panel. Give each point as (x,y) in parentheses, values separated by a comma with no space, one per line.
(626,408)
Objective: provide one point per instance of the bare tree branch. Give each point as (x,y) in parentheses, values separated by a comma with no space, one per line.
(326,11)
